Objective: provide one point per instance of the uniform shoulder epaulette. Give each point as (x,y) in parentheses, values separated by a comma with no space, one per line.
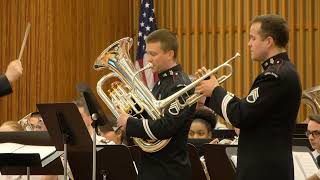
(272,71)
(268,73)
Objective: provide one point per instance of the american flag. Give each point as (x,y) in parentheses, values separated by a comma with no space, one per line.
(147,24)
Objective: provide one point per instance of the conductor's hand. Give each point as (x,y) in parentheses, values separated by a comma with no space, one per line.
(206,87)
(14,70)
(122,119)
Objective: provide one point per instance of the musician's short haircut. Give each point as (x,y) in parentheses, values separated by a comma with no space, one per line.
(35,114)
(207,117)
(168,40)
(274,26)
(314,117)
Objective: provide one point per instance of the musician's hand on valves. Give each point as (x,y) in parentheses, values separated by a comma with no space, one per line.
(122,119)
(206,87)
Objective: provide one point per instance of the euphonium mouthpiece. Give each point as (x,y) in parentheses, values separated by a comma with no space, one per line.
(149,65)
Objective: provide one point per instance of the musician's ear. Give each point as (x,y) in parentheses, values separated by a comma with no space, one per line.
(170,54)
(269,40)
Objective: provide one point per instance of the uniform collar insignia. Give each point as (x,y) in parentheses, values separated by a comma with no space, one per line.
(170,72)
(274,60)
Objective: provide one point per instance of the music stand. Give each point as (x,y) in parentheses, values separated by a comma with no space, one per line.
(224,133)
(198,143)
(218,163)
(97,116)
(197,168)
(53,168)
(20,160)
(66,128)
(300,130)
(40,138)
(114,162)
(14,164)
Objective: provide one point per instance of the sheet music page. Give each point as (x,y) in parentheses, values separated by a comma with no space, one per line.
(234,160)
(305,163)
(298,173)
(9,147)
(44,151)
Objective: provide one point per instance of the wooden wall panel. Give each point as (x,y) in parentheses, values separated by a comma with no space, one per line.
(211,31)
(65,39)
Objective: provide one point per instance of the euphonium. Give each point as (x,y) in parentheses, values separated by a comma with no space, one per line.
(131,94)
(311,97)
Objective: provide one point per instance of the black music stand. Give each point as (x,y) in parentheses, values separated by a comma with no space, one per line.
(14,164)
(224,133)
(20,160)
(98,119)
(94,108)
(197,168)
(300,129)
(66,128)
(111,158)
(53,168)
(198,143)
(218,163)
(113,162)
(64,119)
(40,138)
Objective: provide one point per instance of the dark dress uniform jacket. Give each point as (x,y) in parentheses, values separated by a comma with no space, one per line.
(171,162)
(5,87)
(266,118)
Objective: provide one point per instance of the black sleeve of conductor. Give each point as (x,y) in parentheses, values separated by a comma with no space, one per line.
(5,86)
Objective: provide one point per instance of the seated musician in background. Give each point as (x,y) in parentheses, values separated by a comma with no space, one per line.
(83,109)
(36,123)
(112,134)
(201,105)
(10,126)
(313,134)
(203,122)
(33,122)
(172,161)
(13,72)
(201,127)
(268,114)
(231,141)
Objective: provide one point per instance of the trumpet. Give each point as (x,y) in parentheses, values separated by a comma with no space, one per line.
(196,96)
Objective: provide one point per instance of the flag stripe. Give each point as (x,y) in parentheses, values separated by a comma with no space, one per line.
(147,24)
